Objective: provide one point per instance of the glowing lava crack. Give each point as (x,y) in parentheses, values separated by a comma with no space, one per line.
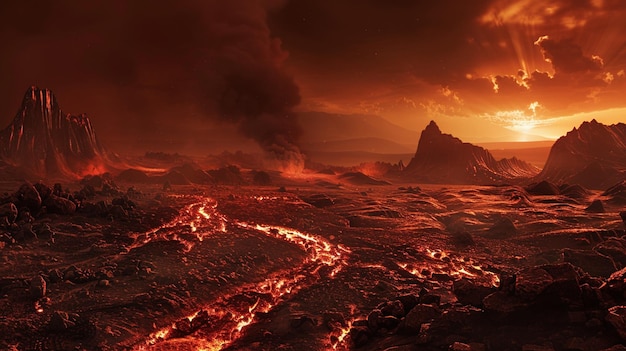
(220,323)
(200,218)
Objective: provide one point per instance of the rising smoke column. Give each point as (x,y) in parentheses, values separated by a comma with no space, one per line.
(254,92)
(241,80)
(158,69)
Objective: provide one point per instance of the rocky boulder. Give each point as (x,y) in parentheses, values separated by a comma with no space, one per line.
(59,205)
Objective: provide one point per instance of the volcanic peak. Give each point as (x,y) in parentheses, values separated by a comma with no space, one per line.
(43,141)
(591,146)
(443,158)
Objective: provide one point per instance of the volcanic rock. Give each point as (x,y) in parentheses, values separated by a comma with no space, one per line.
(358,178)
(9,211)
(393,308)
(531,282)
(543,188)
(408,302)
(44,141)
(61,321)
(133,176)
(469,292)
(193,174)
(550,286)
(462,239)
(459,346)
(373,319)
(617,318)
(593,155)
(43,190)
(174,177)
(595,207)
(261,178)
(59,205)
(230,175)
(420,314)
(597,175)
(502,303)
(95,181)
(565,287)
(359,335)
(593,263)
(616,284)
(615,248)
(616,193)
(503,228)
(574,191)
(442,158)
(27,196)
(319,200)
(37,287)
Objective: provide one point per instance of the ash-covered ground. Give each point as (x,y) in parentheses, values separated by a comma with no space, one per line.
(311,263)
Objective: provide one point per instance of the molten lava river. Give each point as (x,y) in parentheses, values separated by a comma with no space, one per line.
(313,268)
(294,289)
(222,321)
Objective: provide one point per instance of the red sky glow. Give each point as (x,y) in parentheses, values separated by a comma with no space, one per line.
(485,70)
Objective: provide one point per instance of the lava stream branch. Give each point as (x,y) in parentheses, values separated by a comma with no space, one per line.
(220,323)
(200,218)
(441,262)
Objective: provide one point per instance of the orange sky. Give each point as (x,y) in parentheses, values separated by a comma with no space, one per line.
(150,73)
(535,67)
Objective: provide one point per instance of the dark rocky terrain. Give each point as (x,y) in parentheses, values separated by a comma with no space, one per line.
(300,265)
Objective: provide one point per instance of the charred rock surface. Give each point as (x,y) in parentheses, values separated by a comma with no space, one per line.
(306,267)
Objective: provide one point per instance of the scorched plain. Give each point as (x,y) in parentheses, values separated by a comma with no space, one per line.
(314,264)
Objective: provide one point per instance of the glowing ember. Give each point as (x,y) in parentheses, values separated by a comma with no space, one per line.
(441,262)
(320,249)
(200,218)
(338,338)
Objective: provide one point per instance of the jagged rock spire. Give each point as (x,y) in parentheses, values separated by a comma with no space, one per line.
(44,141)
(443,158)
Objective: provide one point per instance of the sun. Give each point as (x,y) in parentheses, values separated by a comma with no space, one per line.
(524,126)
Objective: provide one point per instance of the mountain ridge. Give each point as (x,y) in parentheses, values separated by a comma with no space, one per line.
(324,127)
(443,158)
(592,155)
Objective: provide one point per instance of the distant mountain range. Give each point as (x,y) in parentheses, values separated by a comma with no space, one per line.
(592,155)
(365,144)
(321,127)
(43,141)
(442,158)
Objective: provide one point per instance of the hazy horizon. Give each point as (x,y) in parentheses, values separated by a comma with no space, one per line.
(181,74)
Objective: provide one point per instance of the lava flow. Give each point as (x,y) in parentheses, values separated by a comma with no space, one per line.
(220,323)
(199,218)
(441,262)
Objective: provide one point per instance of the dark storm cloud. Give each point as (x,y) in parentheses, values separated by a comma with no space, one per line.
(378,39)
(148,66)
(567,57)
(481,55)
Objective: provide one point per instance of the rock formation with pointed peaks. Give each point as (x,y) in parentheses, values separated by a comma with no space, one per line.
(442,158)
(592,155)
(43,141)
